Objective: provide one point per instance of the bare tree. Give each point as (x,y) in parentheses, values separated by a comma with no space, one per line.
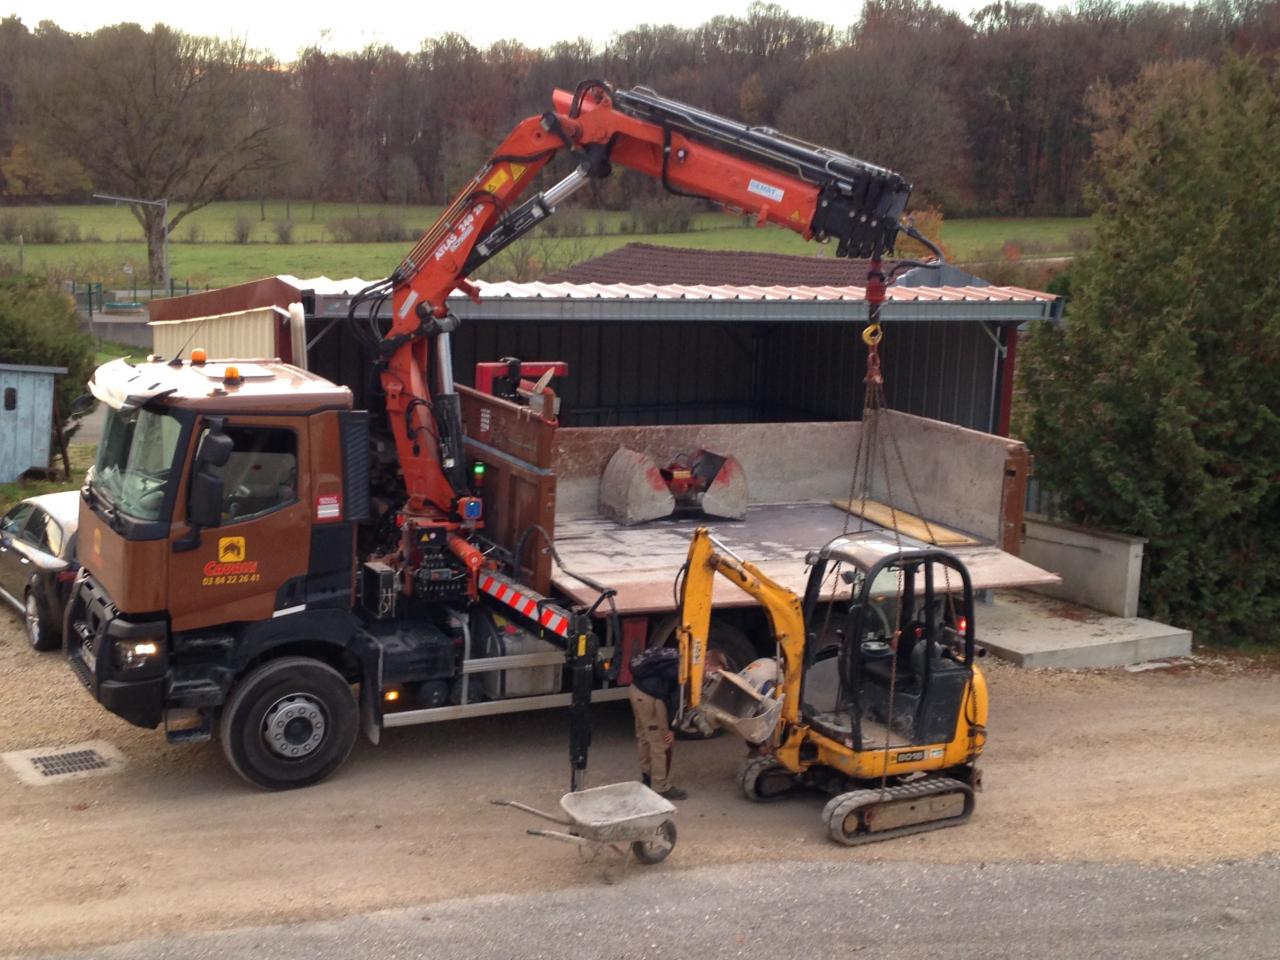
(160,115)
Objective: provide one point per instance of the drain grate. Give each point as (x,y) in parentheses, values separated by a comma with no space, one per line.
(49,765)
(69,761)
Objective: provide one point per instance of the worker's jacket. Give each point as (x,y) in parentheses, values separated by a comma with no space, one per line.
(656,672)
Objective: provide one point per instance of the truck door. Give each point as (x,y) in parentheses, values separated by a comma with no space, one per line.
(238,568)
(13,573)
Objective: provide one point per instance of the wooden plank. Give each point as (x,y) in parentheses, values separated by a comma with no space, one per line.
(907,524)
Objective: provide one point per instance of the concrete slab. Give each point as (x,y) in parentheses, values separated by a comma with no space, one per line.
(1035,631)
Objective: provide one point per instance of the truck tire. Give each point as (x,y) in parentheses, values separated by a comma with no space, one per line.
(290,723)
(725,637)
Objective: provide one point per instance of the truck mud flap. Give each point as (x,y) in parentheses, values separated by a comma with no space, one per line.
(371,695)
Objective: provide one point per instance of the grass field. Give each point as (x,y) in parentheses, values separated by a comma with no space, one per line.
(119,254)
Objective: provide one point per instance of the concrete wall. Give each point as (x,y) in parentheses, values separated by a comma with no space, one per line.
(1099,569)
(784,462)
(957,475)
(131,329)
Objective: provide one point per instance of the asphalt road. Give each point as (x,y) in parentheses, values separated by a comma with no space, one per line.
(883,910)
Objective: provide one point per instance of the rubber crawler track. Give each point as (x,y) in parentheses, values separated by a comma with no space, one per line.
(841,806)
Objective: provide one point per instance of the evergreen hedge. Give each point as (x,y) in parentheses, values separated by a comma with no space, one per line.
(1155,410)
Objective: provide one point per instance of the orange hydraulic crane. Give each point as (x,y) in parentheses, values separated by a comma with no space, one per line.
(819,193)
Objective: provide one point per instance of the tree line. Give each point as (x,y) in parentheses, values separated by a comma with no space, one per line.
(987,115)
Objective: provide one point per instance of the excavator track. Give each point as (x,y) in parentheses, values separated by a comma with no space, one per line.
(872,815)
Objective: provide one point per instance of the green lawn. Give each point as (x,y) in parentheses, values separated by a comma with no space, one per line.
(120,255)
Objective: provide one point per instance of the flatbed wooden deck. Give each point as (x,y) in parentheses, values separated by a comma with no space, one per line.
(641,562)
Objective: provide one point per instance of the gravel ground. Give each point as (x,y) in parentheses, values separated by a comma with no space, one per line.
(1168,768)
(890,911)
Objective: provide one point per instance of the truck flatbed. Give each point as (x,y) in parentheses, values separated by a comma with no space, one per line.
(641,562)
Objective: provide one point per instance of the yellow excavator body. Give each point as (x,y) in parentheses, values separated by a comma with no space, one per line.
(888,715)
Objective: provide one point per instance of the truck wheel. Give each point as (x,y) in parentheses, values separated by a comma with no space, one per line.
(41,634)
(724,637)
(290,723)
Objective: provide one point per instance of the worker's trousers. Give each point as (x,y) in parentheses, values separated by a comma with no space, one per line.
(651,730)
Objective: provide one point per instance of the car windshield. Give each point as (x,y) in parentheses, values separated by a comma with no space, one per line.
(135,461)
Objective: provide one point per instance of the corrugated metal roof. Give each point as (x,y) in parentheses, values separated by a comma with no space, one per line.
(539,290)
(324,286)
(542,290)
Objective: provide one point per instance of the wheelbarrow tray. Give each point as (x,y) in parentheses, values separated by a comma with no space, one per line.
(616,812)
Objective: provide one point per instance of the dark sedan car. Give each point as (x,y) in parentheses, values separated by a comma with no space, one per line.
(38,562)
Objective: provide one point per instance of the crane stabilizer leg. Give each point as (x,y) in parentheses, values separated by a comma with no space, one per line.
(571,630)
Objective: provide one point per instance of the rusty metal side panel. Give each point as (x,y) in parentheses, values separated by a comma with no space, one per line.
(520,487)
(1013,500)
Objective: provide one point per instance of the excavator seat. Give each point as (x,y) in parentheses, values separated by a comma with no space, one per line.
(906,723)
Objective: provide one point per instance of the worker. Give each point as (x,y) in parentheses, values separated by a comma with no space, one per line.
(655,696)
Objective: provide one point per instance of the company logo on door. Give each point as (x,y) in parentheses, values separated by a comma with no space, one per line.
(232,566)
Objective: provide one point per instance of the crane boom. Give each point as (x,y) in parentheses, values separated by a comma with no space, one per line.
(819,193)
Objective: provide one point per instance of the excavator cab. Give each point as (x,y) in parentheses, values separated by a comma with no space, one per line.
(895,667)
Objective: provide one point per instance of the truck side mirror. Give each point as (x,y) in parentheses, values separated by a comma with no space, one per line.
(215,449)
(204,499)
(82,404)
(204,507)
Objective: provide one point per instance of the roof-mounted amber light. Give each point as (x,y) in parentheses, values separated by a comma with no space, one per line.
(199,356)
(232,375)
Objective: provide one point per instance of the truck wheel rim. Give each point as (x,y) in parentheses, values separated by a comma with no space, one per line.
(33,620)
(294,726)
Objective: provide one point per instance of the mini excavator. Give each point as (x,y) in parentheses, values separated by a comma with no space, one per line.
(878,700)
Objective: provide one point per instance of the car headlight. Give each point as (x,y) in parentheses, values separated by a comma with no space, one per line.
(135,654)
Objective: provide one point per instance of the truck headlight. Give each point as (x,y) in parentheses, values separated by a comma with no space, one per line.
(135,654)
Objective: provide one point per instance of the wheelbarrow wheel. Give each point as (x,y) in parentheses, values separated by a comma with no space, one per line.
(654,851)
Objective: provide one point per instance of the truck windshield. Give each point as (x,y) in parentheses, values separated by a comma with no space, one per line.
(135,461)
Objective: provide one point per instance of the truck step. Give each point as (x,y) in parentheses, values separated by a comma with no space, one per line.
(198,733)
(204,644)
(190,734)
(199,692)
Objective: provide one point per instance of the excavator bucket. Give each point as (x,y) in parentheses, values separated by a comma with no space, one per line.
(634,489)
(726,492)
(731,703)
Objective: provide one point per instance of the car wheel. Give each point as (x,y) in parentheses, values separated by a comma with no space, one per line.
(290,723)
(40,633)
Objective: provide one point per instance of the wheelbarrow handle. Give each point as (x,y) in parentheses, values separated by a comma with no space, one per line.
(534,810)
(557,835)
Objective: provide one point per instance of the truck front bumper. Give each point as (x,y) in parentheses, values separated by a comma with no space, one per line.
(93,629)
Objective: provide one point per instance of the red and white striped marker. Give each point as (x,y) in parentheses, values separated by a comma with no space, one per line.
(506,592)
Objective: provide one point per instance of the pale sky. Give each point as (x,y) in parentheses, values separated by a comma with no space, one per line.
(285,28)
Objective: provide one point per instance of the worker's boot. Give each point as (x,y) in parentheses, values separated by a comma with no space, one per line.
(646,780)
(674,793)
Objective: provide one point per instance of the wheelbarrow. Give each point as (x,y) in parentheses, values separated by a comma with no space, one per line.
(627,818)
